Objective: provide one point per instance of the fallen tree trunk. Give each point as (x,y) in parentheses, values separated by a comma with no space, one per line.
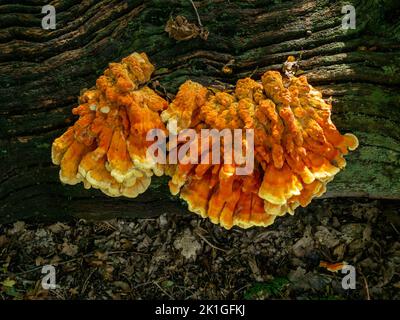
(43,71)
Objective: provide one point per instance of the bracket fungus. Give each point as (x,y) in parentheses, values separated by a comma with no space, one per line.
(106,147)
(297,149)
(294,147)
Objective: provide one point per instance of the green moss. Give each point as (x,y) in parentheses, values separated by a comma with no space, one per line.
(381,16)
(391,70)
(43,145)
(158,182)
(270,289)
(378,97)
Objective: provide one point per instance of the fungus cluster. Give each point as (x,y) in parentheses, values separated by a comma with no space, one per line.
(296,148)
(106,147)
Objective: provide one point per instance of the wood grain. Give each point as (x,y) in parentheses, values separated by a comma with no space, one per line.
(43,71)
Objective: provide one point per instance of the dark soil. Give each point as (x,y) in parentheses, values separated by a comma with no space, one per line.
(186,257)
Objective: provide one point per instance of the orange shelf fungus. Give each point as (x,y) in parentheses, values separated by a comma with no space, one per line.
(297,149)
(106,147)
(280,147)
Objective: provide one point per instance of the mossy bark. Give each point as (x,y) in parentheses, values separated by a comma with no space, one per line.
(43,71)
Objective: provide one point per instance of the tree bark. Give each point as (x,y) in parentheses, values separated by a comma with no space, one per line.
(43,71)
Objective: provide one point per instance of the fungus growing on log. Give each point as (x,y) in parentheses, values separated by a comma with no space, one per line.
(280,146)
(106,147)
(297,149)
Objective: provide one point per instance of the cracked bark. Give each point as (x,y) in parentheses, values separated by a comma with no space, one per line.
(43,71)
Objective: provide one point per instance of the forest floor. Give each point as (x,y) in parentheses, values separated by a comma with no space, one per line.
(179,256)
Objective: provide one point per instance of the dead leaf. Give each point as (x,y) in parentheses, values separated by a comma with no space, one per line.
(352,231)
(58,227)
(23,139)
(255,269)
(305,245)
(39,261)
(54,260)
(290,66)
(181,29)
(367,233)
(96,263)
(3,240)
(108,272)
(69,249)
(73,291)
(122,285)
(188,245)
(101,255)
(326,237)
(18,227)
(339,251)
(8,283)
(227,69)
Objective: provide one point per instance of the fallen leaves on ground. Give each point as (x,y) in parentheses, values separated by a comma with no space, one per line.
(185,257)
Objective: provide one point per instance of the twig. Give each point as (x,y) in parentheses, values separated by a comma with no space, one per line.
(242,288)
(197,14)
(143,284)
(87,281)
(59,294)
(253,72)
(165,292)
(116,252)
(366,286)
(395,229)
(72,260)
(56,264)
(124,251)
(209,243)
